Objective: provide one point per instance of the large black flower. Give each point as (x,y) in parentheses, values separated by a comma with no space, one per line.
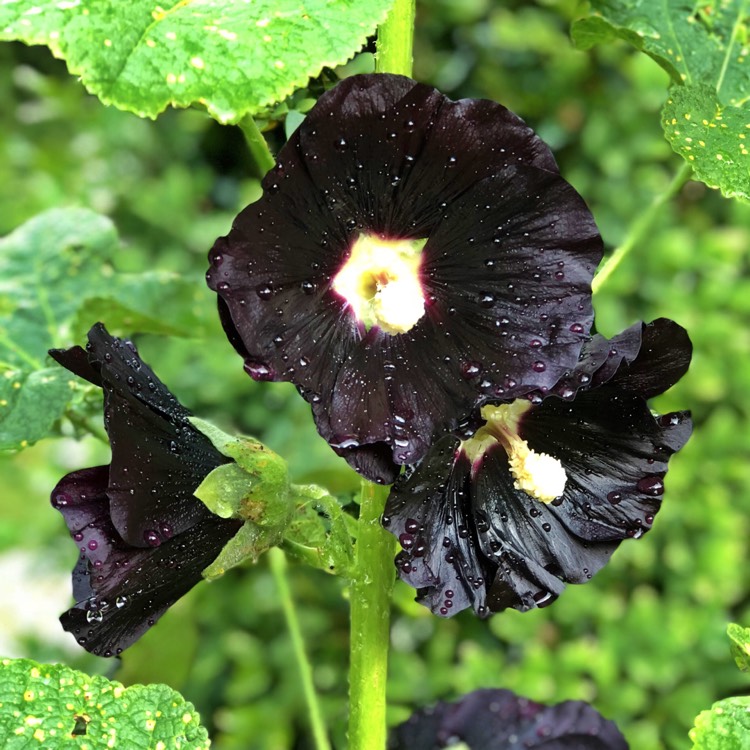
(409,255)
(502,720)
(545,491)
(143,536)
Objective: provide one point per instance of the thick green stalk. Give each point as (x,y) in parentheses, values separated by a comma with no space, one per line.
(396,40)
(257,144)
(641,227)
(277,561)
(374,571)
(370,623)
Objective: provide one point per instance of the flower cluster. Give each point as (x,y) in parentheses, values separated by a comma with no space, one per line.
(144,538)
(419,269)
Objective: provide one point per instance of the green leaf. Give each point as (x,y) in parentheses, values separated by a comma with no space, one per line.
(54,707)
(321,533)
(233,58)
(704,48)
(726,726)
(712,137)
(739,645)
(56,280)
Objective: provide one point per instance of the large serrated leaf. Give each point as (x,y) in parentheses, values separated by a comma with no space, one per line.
(234,58)
(57,708)
(56,279)
(705,48)
(725,726)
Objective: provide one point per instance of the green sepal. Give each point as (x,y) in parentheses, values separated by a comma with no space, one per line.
(57,708)
(247,545)
(321,532)
(739,645)
(254,488)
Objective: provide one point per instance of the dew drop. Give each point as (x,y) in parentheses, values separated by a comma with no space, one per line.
(486,300)
(308,287)
(614,497)
(406,541)
(222,286)
(258,370)
(653,486)
(538,367)
(151,538)
(264,291)
(576,328)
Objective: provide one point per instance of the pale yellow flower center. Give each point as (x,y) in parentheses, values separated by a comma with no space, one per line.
(537,474)
(380,281)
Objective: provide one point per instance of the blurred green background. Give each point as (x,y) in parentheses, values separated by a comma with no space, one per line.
(645,640)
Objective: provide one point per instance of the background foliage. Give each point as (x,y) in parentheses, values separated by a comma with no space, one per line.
(645,640)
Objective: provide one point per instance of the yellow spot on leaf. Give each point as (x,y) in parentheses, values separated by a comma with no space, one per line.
(197,62)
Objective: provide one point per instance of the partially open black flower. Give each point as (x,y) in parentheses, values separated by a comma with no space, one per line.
(502,720)
(144,537)
(546,490)
(409,255)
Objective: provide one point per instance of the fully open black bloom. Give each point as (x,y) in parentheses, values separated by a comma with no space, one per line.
(409,255)
(144,537)
(549,487)
(502,720)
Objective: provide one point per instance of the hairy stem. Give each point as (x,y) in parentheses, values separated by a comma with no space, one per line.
(370,625)
(277,562)
(257,144)
(396,40)
(641,227)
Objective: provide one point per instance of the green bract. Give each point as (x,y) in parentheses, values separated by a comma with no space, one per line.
(55,707)
(704,48)
(739,644)
(55,277)
(233,58)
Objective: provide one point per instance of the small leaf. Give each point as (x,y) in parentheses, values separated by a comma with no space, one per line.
(232,58)
(739,645)
(704,48)
(320,533)
(55,275)
(57,708)
(247,545)
(726,726)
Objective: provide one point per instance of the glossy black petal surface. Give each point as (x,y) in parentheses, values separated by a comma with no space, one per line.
(506,269)
(470,538)
(502,720)
(144,538)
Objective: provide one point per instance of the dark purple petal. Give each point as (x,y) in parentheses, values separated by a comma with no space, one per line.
(429,515)
(121,590)
(615,453)
(501,720)
(664,357)
(158,457)
(506,269)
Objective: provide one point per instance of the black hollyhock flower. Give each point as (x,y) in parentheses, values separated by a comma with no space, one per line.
(502,720)
(409,255)
(144,537)
(547,489)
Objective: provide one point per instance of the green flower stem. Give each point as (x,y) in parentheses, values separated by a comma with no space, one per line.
(370,623)
(257,144)
(277,562)
(374,574)
(396,40)
(641,227)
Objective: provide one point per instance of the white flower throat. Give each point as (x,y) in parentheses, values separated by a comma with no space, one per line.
(537,474)
(380,281)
